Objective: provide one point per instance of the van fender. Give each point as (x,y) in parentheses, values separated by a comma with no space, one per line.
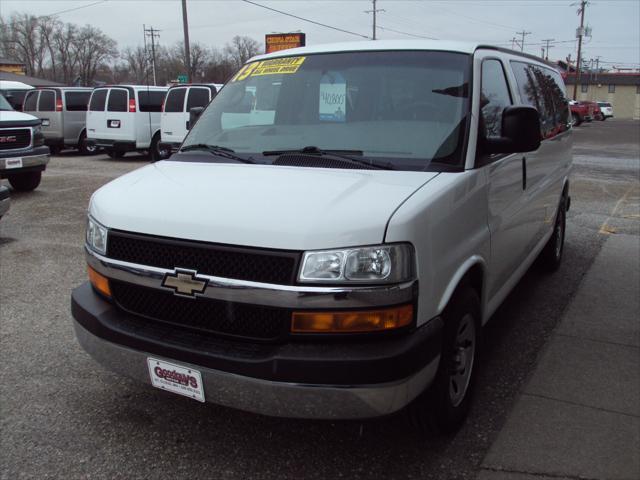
(457,277)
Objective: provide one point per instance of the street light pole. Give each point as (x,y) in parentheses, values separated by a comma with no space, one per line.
(187,52)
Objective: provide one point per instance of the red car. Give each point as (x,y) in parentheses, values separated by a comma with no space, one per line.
(582,111)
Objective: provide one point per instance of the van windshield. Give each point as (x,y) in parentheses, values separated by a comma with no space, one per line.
(4,104)
(406,108)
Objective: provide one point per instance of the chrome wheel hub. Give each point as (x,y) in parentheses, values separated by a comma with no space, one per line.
(462,360)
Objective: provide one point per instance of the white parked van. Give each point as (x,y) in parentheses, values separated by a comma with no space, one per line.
(334,232)
(125,118)
(14,93)
(63,114)
(179,101)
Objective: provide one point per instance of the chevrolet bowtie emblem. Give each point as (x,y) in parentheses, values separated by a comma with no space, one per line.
(185,282)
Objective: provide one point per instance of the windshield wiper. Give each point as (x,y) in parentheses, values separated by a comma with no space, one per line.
(342,154)
(217,150)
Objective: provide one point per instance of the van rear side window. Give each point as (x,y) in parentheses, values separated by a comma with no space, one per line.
(198,97)
(150,101)
(47,101)
(76,101)
(98,100)
(31,101)
(175,100)
(117,100)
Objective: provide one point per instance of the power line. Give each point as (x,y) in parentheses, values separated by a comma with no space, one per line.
(405,33)
(73,9)
(305,19)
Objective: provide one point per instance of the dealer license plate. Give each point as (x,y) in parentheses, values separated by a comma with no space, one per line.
(15,162)
(176,378)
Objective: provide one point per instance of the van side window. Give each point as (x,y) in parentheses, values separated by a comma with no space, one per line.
(31,101)
(150,101)
(117,100)
(98,100)
(543,88)
(175,100)
(495,97)
(47,101)
(198,97)
(76,101)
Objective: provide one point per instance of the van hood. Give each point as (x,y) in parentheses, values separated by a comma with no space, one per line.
(11,116)
(256,205)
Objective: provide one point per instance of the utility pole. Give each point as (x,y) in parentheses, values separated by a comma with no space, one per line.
(580,34)
(153,34)
(523,33)
(374,11)
(514,42)
(187,51)
(548,42)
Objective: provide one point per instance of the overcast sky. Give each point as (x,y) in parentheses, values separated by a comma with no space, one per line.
(615,23)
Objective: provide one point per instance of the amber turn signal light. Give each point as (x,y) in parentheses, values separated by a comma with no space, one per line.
(352,322)
(99,282)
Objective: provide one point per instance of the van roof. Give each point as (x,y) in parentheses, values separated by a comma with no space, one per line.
(390,45)
(10,85)
(216,85)
(137,87)
(73,89)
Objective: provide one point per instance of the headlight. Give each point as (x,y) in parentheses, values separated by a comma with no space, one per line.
(96,236)
(376,264)
(38,136)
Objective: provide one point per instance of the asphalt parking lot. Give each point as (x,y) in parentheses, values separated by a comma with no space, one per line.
(64,416)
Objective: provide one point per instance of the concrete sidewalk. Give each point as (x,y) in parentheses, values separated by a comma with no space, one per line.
(579,414)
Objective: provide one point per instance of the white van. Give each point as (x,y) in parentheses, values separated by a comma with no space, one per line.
(14,93)
(179,101)
(334,232)
(63,114)
(125,118)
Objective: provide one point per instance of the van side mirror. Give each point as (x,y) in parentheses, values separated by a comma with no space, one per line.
(520,131)
(194,115)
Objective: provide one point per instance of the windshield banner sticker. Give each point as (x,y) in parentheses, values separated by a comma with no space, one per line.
(333,96)
(269,67)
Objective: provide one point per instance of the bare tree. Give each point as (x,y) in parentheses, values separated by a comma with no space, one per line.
(93,49)
(138,64)
(23,40)
(241,49)
(63,43)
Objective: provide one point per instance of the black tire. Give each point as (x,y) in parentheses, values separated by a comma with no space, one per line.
(85,149)
(115,153)
(155,151)
(442,408)
(25,182)
(575,119)
(551,255)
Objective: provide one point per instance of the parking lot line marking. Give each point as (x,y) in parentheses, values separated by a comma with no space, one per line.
(605,229)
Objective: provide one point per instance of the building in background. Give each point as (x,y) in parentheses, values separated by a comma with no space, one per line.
(11,66)
(33,81)
(621,90)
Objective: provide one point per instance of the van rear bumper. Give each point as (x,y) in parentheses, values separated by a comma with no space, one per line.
(122,145)
(303,380)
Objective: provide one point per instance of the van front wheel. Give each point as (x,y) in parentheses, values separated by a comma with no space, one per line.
(551,255)
(115,153)
(158,153)
(443,407)
(25,182)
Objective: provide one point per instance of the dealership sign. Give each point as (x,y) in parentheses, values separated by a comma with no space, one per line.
(282,41)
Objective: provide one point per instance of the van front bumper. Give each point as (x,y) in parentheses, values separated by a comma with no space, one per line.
(320,379)
(33,160)
(122,145)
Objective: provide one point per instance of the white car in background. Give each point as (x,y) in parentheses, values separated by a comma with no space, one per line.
(606,109)
(125,118)
(14,93)
(180,99)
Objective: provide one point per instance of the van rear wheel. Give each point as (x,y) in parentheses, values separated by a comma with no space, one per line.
(25,182)
(84,148)
(443,407)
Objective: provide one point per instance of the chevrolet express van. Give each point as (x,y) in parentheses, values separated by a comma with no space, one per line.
(334,231)
(125,118)
(63,114)
(174,122)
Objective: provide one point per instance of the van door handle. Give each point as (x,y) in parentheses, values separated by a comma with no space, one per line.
(524,173)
